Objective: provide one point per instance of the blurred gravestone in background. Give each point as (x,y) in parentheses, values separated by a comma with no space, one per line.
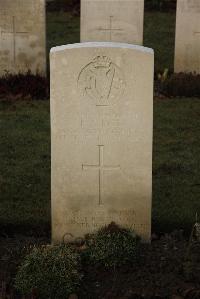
(116,21)
(187,44)
(22,36)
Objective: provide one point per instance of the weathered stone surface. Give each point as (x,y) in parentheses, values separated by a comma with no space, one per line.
(101,129)
(22,36)
(112,20)
(187,44)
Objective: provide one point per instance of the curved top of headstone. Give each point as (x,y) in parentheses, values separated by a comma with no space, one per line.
(101,45)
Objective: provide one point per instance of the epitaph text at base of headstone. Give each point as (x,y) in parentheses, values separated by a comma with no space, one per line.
(101,130)
(187,43)
(22,36)
(112,21)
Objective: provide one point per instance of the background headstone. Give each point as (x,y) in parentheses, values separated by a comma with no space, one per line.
(112,20)
(187,43)
(101,130)
(22,36)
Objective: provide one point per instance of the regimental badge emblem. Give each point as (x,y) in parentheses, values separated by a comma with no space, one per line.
(102,81)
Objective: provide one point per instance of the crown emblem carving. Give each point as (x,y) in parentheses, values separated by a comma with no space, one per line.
(102,61)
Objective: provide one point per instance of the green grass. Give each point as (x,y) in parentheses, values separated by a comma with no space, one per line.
(159,34)
(25,164)
(62,29)
(176,163)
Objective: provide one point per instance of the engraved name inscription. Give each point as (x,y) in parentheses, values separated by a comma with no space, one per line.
(100,218)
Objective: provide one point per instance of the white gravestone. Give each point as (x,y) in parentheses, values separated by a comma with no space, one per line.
(22,36)
(187,44)
(112,20)
(101,130)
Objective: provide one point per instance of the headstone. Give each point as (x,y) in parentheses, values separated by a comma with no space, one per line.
(112,20)
(101,130)
(187,44)
(22,36)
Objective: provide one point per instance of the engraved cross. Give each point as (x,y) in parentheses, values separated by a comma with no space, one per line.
(14,33)
(100,167)
(110,29)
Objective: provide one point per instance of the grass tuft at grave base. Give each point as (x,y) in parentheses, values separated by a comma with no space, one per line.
(112,247)
(49,272)
(25,165)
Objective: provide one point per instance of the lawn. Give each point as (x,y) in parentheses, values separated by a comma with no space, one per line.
(25,143)
(25,164)
(176,163)
(159,34)
(62,28)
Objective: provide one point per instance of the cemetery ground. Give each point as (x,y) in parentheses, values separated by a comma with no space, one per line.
(163,269)
(25,197)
